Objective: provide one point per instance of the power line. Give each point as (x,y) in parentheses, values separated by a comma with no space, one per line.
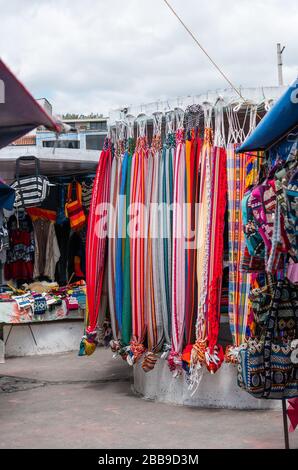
(203,49)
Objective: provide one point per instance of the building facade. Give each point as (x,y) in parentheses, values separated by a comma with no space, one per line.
(84,134)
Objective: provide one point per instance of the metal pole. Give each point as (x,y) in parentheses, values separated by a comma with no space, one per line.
(285,421)
(279,64)
(2,344)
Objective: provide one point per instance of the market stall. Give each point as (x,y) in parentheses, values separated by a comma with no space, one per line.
(171,250)
(43,254)
(268,360)
(44,206)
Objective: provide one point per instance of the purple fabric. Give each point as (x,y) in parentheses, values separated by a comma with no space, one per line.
(19,111)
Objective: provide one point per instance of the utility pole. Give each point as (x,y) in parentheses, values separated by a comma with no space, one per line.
(279,64)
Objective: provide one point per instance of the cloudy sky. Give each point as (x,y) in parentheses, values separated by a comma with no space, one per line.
(95,55)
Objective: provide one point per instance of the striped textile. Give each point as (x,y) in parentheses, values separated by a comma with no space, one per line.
(178,261)
(154,316)
(30,191)
(126,307)
(203,241)
(138,229)
(192,152)
(165,223)
(211,219)
(121,225)
(103,308)
(86,195)
(239,282)
(216,247)
(97,238)
(115,184)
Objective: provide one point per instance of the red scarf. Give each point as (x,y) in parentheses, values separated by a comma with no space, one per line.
(97,237)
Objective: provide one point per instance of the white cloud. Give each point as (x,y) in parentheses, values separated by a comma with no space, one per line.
(96,55)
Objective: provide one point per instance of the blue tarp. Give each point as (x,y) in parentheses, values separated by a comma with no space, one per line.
(278,122)
(7,196)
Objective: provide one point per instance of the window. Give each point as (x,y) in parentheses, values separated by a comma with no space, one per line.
(62,144)
(98,126)
(95,142)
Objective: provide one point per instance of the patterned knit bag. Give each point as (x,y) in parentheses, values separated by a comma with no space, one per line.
(40,305)
(74,208)
(265,368)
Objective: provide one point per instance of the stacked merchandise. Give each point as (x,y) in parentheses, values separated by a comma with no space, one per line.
(43,229)
(268,364)
(41,301)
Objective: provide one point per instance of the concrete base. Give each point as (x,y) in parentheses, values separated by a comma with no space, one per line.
(55,337)
(215,391)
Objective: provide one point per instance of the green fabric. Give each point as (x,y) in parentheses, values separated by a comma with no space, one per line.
(126,313)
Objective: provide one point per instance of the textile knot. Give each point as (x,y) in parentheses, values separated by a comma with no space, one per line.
(214,359)
(115,346)
(149,361)
(134,352)
(231,354)
(175,362)
(198,352)
(88,344)
(165,351)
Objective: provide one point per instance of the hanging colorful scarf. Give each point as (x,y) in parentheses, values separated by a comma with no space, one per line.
(121,222)
(203,241)
(96,241)
(165,238)
(215,356)
(178,261)
(126,308)
(115,185)
(154,317)
(138,233)
(192,152)
(239,282)
(212,199)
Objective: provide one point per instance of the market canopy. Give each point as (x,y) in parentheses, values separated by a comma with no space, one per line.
(20,113)
(277,123)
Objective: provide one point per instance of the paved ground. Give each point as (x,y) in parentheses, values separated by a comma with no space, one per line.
(64,401)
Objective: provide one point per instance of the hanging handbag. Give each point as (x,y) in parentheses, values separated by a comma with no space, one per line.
(74,209)
(30,190)
(291,225)
(265,368)
(87,195)
(261,299)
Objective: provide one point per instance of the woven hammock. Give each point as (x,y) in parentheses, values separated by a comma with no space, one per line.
(138,246)
(154,316)
(178,260)
(113,230)
(239,282)
(126,306)
(165,224)
(192,154)
(97,241)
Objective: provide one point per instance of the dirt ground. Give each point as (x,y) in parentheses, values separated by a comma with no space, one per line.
(66,401)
